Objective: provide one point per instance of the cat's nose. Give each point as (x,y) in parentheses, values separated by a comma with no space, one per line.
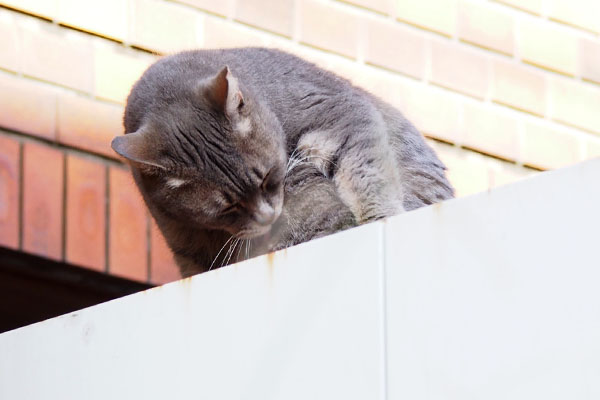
(265,214)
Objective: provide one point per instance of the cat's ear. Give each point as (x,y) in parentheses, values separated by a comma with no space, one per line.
(224,92)
(136,148)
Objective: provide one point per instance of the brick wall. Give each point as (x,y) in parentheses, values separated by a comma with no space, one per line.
(501,88)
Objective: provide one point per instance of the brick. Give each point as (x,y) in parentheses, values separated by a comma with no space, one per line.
(42,8)
(548,148)
(458,69)
(162,265)
(330,28)
(165,27)
(128,222)
(546,46)
(384,86)
(532,6)
(396,48)
(116,70)
(387,87)
(436,15)
(434,113)
(221,34)
(273,15)
(88,124)
(57,55)
(104,17)
(575,104)
(359,75)
(489,131)
(222,7)
(86,214)
(42,200)
(519,87)
(309,54)
(580,13)
(27,106)
(9,192)
(590,59)
(9,45)
(381,6)
(486,27)
(467,172)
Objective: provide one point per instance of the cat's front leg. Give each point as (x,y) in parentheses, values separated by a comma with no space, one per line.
(362,165)
(312,209)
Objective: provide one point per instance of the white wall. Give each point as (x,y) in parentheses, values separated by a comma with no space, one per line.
(493,296)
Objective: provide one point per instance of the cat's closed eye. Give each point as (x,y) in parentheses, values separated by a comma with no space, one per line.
(230,209)
(271,182)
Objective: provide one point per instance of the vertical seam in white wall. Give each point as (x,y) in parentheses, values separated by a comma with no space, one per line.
(383,310)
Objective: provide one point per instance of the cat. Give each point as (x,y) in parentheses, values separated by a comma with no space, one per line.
(242,151)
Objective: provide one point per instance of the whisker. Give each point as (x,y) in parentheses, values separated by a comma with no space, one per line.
(237,257)
(298,157)
(298,161)
(295,160)
(291,165)
(232,248)
(224,260)
(325,159)
(239,242)
(291,158)
(217,256)
(227,258)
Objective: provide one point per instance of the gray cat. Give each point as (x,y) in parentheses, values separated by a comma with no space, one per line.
(244,151)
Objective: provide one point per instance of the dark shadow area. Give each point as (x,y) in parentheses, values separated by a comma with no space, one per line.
(33,289)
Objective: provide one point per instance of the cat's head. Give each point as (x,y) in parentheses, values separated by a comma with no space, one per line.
(208,155)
